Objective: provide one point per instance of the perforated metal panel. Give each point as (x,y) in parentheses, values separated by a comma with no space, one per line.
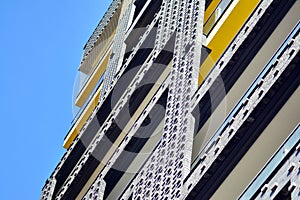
(164,173)
(118,49)
(287,175)
(99,29)
(48,189)
(96,191)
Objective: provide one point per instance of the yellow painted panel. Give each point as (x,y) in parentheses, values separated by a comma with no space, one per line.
(81,121)
(226,33)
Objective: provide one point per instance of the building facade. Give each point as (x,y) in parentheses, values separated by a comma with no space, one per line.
(186,99)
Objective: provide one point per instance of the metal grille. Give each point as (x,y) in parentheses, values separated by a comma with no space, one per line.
(164,173)
(118,49)
(101,26)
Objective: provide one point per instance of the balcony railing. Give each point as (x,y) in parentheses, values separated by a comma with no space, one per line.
(272,164)
(237,108)
(77,111)
(95,51)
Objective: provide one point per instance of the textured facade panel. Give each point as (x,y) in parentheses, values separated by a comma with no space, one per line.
(47,192)
(163,175)
(96,191)
(101,26)
(118,49)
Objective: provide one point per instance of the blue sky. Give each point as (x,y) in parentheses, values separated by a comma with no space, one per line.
(41,47)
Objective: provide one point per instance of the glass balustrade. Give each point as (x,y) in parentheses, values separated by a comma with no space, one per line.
(215,16)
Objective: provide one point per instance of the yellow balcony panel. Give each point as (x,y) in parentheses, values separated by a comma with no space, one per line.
(82,119)
(92,81)
(224,32)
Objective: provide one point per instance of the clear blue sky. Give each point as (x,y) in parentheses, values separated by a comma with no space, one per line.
(41,47)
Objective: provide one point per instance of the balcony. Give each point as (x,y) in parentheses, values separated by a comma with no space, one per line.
(278,160)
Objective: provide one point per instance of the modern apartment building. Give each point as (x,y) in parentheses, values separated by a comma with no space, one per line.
(186,99)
